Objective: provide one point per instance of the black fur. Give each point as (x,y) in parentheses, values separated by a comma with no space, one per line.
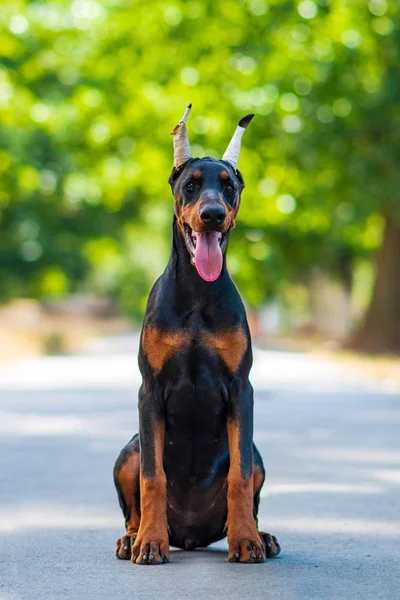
(195,391)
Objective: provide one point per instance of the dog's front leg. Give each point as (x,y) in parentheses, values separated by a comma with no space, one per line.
(151,544)
(245,544)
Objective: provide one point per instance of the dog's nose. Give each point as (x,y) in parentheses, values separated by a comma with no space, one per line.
(213,215)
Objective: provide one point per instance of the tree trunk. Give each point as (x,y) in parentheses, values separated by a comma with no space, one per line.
(380,332)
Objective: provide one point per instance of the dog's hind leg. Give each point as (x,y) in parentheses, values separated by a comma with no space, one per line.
(126,479)
(272,547)
(258,479)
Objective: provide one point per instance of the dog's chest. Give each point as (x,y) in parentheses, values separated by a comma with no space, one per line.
(196,432)
(194,410)
(193,349)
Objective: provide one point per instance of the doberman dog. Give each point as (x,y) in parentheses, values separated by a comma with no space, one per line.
(192,475)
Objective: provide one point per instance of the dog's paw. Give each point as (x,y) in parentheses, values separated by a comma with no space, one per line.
(272,547)
(124,547)
(150,553)
(250,550)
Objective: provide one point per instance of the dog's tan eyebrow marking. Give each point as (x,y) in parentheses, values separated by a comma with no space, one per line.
(224,175)
(196,174)
(230,345)
(159,346)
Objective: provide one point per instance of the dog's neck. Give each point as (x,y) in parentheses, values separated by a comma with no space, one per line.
(187,281)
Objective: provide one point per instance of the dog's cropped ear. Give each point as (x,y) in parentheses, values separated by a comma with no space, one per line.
(240,178)
(177,172)
(174,176)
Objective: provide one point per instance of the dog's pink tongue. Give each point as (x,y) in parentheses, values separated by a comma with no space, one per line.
(208,255)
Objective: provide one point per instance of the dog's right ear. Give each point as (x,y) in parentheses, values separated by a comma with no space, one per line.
(177,172)
(174,176)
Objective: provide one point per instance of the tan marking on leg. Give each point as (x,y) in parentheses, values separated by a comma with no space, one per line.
(244,541)
(240,489)
(153,529)
(230,345)
(128,478)
(159,346)
(258,478)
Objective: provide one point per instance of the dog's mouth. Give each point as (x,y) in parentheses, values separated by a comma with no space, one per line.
(206,249)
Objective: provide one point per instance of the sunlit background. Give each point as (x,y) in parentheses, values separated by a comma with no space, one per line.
(89,92)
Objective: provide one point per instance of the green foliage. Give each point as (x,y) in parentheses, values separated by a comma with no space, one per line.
(90,91)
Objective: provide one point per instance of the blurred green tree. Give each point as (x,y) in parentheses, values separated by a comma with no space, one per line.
(90,90)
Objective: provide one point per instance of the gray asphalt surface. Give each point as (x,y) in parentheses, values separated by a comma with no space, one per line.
(330,443)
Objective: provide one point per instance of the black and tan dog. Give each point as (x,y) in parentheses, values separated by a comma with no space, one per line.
(193,475)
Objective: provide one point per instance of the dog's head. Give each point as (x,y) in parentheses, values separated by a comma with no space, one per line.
(207,198)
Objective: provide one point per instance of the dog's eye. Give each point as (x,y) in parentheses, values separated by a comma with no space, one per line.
(191,186)
(228,187)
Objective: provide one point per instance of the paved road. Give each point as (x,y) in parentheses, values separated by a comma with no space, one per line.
(331,445)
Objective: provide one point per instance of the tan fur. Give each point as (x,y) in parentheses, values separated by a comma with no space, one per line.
(229,345)
(190,214)
(153,528)
(258,478)
(159,346)
(127,479)
(241,524)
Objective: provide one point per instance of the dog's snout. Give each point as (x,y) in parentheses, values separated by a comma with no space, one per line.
(213,215)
